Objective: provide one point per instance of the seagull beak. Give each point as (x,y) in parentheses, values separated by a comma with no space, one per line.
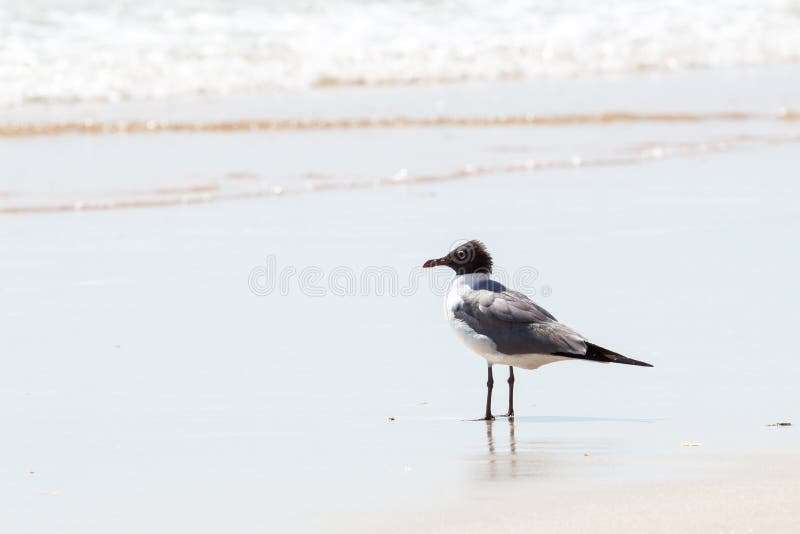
(434,263)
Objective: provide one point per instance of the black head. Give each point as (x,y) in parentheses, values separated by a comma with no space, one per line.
(471,257)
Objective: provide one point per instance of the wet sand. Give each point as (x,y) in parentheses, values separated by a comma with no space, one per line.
(747,494)
(151,383)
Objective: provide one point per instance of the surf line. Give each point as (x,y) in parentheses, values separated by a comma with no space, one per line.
(91,127)
(208,194)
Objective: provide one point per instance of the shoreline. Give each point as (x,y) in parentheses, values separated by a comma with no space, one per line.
(90,127)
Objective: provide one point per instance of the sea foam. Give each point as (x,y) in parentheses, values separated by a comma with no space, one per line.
(58,51)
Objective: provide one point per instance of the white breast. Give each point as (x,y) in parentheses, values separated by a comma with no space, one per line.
(453,301)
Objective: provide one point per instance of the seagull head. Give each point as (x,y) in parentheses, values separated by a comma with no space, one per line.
(471,257)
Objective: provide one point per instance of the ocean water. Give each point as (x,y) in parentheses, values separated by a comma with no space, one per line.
(91,50)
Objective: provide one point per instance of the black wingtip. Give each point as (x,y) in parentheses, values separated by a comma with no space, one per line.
(596,353)
(611,356)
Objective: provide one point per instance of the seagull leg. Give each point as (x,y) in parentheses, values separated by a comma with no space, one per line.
(489,386)
(510,413)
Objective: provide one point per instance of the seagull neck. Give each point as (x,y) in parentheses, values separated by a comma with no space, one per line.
(471,277)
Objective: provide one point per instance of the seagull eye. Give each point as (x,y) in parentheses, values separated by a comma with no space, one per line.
(461,254)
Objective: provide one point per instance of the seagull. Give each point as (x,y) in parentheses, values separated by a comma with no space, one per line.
(505,326)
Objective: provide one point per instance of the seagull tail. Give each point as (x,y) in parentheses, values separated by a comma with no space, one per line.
(599,354)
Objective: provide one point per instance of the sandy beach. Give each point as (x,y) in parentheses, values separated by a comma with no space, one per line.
(215,317)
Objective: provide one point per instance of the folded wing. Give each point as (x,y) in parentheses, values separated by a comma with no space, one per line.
(516,324)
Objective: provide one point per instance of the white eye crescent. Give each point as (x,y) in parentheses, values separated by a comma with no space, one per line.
(461,254)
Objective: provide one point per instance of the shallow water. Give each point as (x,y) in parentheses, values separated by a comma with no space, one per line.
(194,152)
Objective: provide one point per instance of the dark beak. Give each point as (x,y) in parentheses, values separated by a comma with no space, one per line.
(434,263)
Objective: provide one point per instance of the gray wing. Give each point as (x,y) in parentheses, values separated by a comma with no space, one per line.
(517,324)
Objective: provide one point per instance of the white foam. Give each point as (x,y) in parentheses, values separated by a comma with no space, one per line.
(107,51)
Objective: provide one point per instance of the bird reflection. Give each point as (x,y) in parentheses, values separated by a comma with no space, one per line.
(499,461)
(544,456)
